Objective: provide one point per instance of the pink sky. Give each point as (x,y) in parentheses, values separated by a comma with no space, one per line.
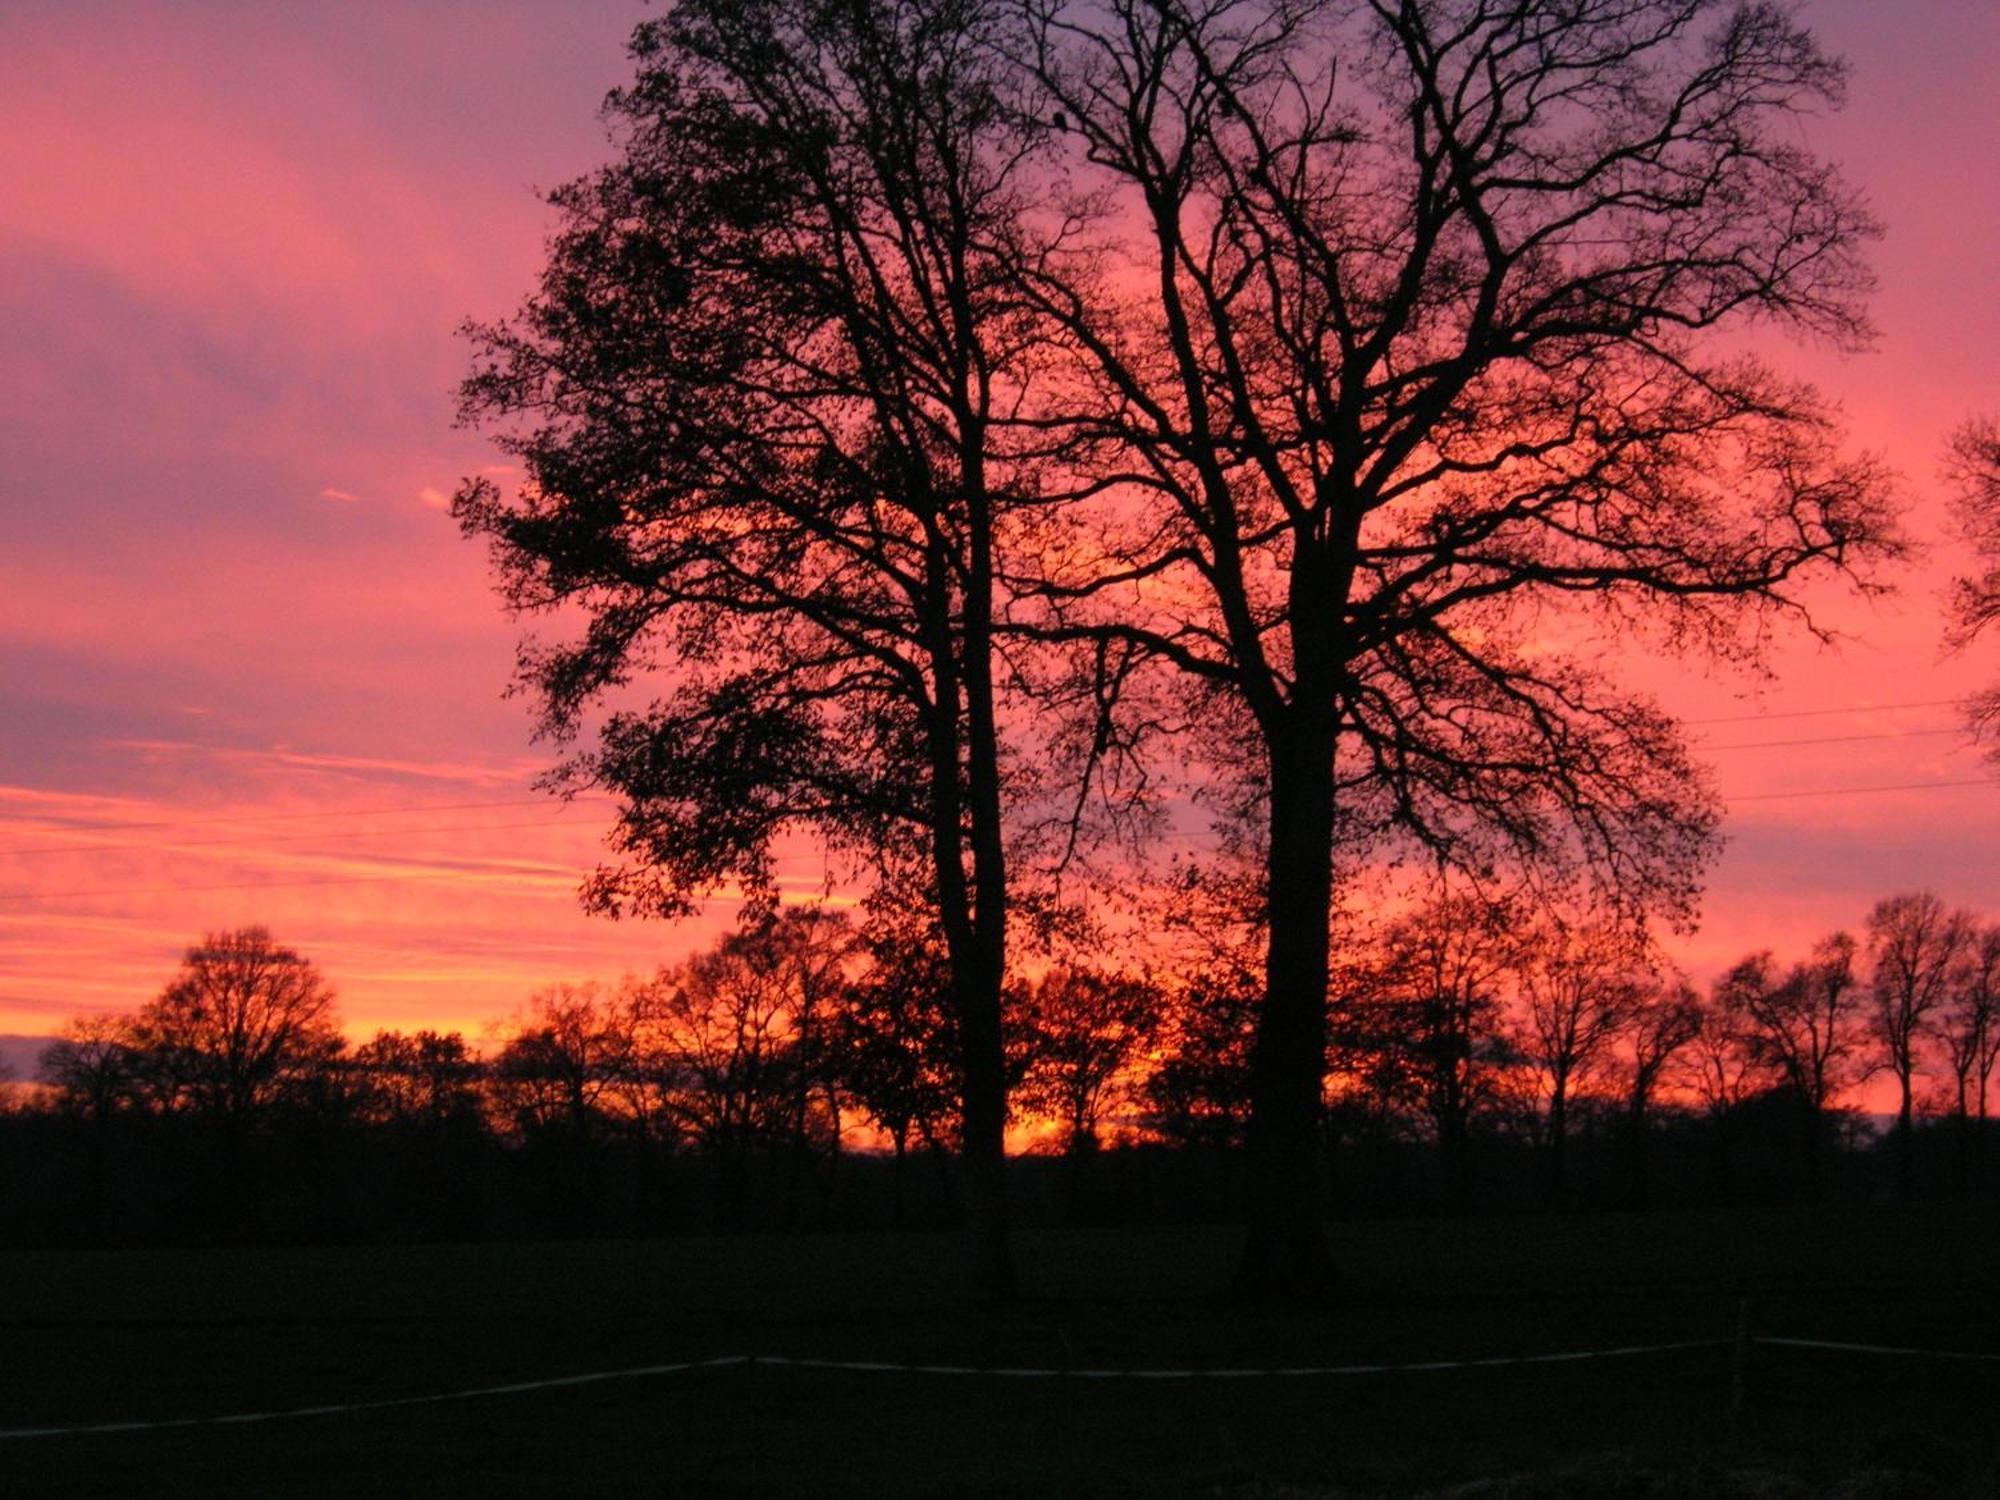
(234,243)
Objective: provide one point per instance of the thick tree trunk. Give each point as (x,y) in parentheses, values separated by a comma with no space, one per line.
(1286,1252)
(975,992)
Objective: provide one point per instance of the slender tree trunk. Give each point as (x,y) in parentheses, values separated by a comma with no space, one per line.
(836,1156)
(1079,1169)
(801,1111)
(1980,1143)
(1815,1150)
(1558,1143)
(1906,1174)
(1962,1140)
(1636,1162)
(235,1174)
(99,1171)
(901,1140)
(1286,1251)
(940,1159)
(1455,1160)
(1722,1131)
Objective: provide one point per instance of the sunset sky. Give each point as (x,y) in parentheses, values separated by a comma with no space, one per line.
(249,671)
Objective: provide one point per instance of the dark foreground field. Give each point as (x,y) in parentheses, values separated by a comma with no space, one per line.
(108,1337)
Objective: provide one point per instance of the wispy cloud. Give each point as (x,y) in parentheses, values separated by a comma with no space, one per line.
(517,774)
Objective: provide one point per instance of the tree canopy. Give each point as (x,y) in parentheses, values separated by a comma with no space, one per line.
(1973,472)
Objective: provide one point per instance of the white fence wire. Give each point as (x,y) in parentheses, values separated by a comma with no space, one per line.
(1016,1372)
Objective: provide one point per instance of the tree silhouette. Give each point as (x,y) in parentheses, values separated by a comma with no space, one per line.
(242,1027)
(426,1081)
(95,1068)
(759,401)
(894,1038)
(892,1042)
(1197,1092)
(560,1087)
(1807,1028)
(739,1037)
(96,1074)
(1972,469)
(1084,1028)
(558,1072)
(1428,1018)
(1667,1023)
(1398,395)
(1211,915)
(1969,1030)
(1724,1071)
(244,1031)
(1582,985)
(1914,943)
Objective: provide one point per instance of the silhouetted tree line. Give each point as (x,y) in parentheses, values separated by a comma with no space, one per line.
(1484,1054)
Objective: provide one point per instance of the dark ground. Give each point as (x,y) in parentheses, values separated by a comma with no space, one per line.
(91,1337)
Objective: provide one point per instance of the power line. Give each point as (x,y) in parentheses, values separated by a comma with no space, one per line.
(1834,739)
(1856,791)
(1820,713)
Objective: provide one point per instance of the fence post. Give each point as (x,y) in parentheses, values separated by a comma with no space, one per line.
(1738,1367)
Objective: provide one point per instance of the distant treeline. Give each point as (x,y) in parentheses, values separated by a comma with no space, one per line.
(801,1074)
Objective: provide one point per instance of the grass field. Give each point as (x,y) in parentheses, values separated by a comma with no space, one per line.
(116,1336)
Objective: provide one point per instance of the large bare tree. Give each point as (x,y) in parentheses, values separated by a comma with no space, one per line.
(758,400)
(1409,374)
